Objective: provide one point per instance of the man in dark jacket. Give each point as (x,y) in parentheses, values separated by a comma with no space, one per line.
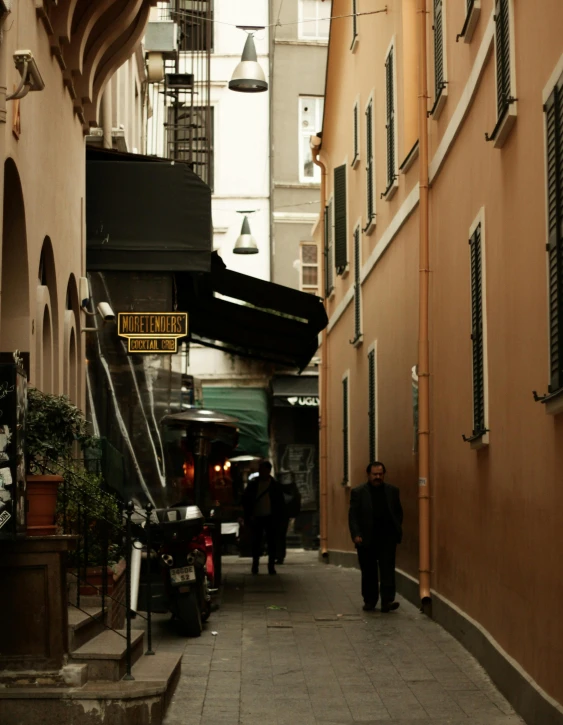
(264,508)
(376,519)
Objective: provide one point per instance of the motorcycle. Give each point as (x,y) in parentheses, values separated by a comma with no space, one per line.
(185,553)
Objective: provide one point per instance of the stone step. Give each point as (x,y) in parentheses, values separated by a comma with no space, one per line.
(83,624)
(127,702)
(105,654)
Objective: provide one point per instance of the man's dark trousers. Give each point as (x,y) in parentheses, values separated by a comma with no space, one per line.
(380,553)
(264,525)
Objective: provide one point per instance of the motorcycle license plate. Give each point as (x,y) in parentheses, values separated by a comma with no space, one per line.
(183,574)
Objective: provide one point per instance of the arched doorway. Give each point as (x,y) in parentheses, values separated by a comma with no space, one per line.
(47,352)
(47,322)
(71,353)
(14,305)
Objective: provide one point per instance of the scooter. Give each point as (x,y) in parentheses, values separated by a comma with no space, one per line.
(183,548)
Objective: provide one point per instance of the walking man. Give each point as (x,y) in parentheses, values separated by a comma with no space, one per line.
(264,508)
(375,519)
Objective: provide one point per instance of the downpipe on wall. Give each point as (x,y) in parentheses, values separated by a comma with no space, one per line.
(316,142)
(423,335)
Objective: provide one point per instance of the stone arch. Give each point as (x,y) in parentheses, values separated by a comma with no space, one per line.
(14,314)
(47,349)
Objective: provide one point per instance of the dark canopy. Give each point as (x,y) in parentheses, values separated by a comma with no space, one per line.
(145,214)
(251,317)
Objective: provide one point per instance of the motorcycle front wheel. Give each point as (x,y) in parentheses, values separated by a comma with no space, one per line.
(189,615)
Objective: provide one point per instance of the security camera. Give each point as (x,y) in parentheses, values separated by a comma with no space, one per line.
(105,312)
(24,60)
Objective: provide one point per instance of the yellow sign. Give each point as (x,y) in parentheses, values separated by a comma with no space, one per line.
(155,332)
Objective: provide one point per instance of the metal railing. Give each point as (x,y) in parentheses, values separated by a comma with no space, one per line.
(106,530)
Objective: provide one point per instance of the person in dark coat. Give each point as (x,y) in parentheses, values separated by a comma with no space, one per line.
(264,508)
(292,508)
(376,520)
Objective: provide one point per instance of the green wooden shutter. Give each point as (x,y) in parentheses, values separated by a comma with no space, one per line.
(357,286)
(345,434)
(438,48)
(354,20)
(369,165)
(356,133)
(502,21)
(477,334)
(330,260)
(390,95)
(371,405)
(554,136)
(326,250)
(340,220)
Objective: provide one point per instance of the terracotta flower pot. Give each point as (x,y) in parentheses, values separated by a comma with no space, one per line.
(42,504)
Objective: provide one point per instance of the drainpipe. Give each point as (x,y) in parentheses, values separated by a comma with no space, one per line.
(323,413)
(423,335)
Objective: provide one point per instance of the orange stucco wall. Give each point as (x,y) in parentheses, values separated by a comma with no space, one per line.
(497,521)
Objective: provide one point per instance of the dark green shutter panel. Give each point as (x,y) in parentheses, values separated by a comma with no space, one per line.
(326,253)
(470,4)
(477,334)
(357,286)
(330,260)
(340,221)
(354,20)
(369,166)
(438,48)
(356,132)
(390,94)
(554,135)
(371,405)
(345,438)
(502,20)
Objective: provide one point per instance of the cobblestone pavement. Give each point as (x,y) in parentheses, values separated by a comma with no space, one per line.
(297,649)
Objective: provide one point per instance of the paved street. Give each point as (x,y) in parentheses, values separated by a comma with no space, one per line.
(297,649)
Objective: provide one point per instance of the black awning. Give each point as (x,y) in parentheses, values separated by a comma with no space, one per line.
(267,321)
(295,385)
(146,214)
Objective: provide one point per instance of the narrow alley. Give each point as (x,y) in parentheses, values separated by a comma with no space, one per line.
(297,649)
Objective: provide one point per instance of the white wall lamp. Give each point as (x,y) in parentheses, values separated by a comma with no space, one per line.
(248,76)
(30,77)
(245,244)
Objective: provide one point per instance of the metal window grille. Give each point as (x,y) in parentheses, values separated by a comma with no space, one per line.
(340,219)
(357,287)
(345,434)
(369,165)
(554,147)
(310,268)
(438,48)
(502,31)
(390,95)
(371,405)
(477,338)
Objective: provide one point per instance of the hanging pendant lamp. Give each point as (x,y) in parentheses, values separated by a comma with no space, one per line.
(245,244)
(248,76)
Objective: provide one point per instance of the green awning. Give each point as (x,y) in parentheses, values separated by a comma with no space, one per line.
(250,406)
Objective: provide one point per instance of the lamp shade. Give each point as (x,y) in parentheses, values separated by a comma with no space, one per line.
(248,76)
(245,244)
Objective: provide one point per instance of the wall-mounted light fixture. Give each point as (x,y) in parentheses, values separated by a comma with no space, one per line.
(30,77)
(245,244)
(248,76)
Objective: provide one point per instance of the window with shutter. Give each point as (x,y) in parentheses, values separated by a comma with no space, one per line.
(340,220)
(370,177)
(372,401)
(390,118)
(354,24)
(345,434)
(477,338)
(357,288)
(330,248)
(356,121)
(554,147)
(439,59)
(473,10)
(506,101)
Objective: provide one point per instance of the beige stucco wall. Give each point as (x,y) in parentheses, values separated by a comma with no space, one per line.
(496,512)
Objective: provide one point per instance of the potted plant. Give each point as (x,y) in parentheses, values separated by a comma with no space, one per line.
(54,427)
